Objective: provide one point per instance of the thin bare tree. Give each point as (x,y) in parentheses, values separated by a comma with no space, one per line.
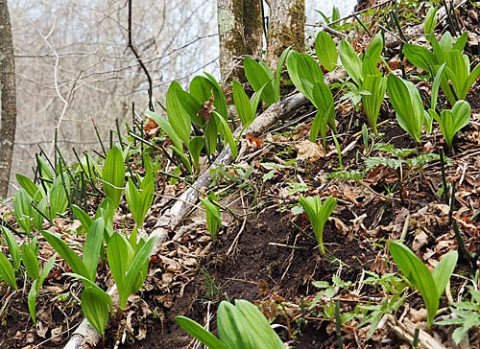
(8,101)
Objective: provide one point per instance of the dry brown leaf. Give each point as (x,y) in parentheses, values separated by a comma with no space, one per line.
(309,151)
(420,240)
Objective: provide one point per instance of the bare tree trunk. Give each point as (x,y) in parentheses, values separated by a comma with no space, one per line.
(8,120)
(232,41)
(287,28)
(240,28)
(253,27)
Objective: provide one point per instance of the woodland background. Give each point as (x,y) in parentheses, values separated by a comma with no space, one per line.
(73,65)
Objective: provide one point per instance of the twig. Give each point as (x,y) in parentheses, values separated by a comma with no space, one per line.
(139,59)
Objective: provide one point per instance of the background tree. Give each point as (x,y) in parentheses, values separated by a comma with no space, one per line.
(8,100)
(240,29)
(286,28)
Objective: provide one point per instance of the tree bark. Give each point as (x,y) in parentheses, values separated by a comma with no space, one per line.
(253,27)
(8,119)
(232,41)
(240,28)
(286,28)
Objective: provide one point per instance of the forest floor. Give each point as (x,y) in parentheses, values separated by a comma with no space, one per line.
(266,251)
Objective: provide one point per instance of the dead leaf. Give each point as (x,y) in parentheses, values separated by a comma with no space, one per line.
(207,109)
(420,240)
(309,151)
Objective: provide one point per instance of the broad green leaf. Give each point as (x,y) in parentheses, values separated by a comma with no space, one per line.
(458,70)
(258,74)
(202,89)
(350,61)
(177,117)
(23,210)
(418,275)
(374,50)
(82,216)
(113,176)
(242,104)
(58,193)
(134,269)
(72,259)
(226,133)
(406,101)
(45,172)
(12,247)
(96,306)
(259,326)
(213,218)
(167,128)
(318,213)
(7,273)
(326,50)
(443,271)
(93,246)
(419,56)
(29,186)
(430,21)
(32,300)
(120,255)
(46,270)
(436,86)
(232,329)
(304,72)
(199,333)
(452,121)
(461,42)
(278,73)
(195,148)
(377,86)
(30,261)
(220,100)
(323,100)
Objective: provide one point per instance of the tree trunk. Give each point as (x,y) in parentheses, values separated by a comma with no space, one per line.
(240,27)
(286,28)
(232,41)
(8,119)
(253,27)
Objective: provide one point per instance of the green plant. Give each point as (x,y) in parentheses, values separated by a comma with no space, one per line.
(370,84)
(96,304)
(129,264)
(204,110)
(246,108)
(214,221)
(318,214)
(466,316)
(139,201)
(430,22)
(38,275)
(393,287)
(430,285)
(113,175)
(326,50)
(452,121)
(87,266)
(262,79)
(240,326)
(408,105)
(457,65)
(8,269)
(307,76)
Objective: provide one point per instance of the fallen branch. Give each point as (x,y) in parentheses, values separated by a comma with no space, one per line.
(406,332)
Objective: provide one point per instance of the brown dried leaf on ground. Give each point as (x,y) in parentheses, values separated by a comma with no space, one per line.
(310,151)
